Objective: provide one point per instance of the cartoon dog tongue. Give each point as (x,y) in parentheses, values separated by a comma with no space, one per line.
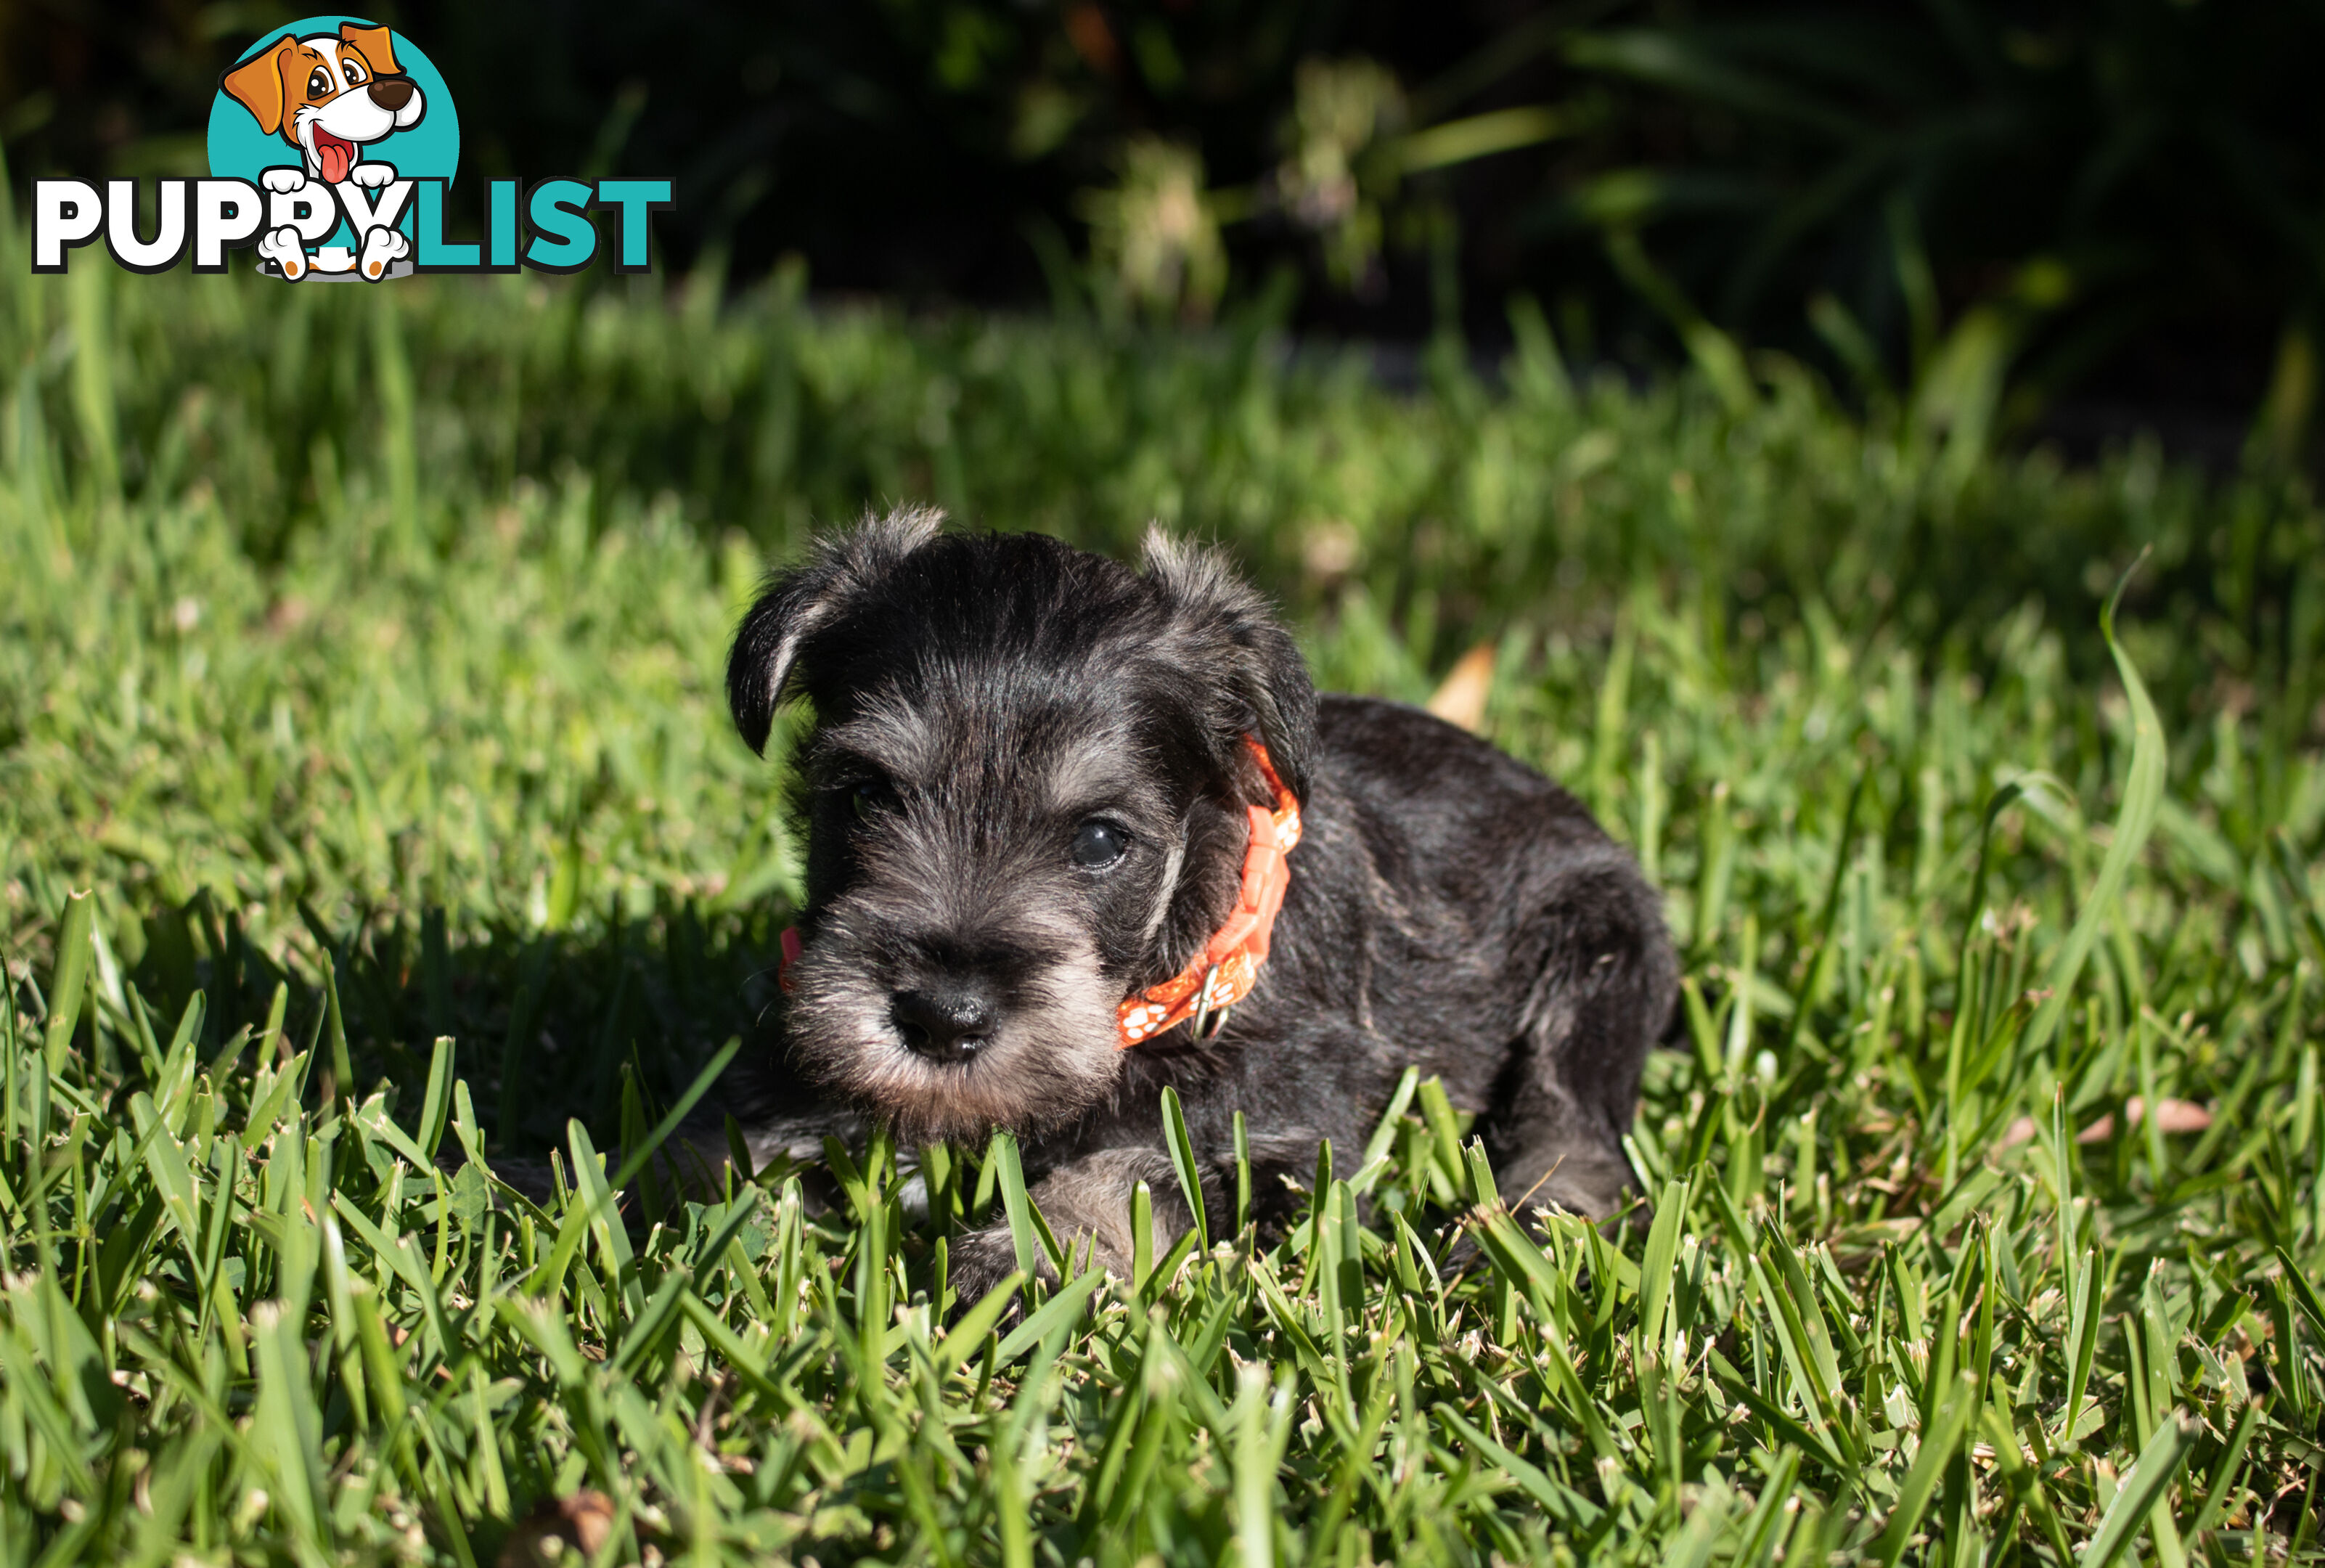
(336,155)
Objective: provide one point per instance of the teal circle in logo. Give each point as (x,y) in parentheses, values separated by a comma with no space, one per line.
(243,144)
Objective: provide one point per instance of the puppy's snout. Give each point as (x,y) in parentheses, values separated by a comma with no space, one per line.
(390,93)
(945,1022)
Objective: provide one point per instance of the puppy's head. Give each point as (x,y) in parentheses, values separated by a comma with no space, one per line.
(1023,795)
(329,94)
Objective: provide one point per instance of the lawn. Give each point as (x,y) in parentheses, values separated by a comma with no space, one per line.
(359,653)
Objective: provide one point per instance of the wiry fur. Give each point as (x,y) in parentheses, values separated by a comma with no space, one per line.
(987,695)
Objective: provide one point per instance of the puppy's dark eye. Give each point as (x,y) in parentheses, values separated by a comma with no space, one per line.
(1097,845)
(352,71)
(319,84)
(873,799)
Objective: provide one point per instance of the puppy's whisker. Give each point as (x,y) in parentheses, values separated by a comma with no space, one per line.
(1168,894)
(1540,1182)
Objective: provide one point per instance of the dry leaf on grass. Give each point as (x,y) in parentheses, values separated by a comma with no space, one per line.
(1462,700)
(579,1521)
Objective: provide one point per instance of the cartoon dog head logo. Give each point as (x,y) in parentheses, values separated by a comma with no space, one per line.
(331,95)
(335,118)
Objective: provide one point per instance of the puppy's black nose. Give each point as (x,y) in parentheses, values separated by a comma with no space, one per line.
(943,1022)
(390,93)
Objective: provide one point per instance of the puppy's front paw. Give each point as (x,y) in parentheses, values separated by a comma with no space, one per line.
(380,247)
(1592,1191)
(284,181)
(982,1259)
(283,248)
(372,175)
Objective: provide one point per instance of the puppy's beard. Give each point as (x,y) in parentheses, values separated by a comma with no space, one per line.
(1051,1057)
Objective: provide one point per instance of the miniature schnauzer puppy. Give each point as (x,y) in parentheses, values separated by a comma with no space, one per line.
(1077,832)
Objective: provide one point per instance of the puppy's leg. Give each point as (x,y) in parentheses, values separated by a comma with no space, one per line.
(1086,1205)
(697,1161)
(1605,988)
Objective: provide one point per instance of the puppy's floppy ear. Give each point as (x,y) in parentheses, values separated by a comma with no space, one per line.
(796,604)
(257,84)
(1229,635)
(375,44)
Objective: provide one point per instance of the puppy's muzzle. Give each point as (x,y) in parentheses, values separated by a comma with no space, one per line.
(946,1021)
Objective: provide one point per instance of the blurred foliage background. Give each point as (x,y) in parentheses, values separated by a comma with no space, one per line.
(2063,219)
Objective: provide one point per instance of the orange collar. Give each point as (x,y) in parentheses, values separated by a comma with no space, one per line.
(1225,971)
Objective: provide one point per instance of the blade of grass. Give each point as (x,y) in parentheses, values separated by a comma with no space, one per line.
(2159,1466)
(2143,793)
(75,948)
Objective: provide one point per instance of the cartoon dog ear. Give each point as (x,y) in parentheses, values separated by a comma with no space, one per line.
(257,84)
(795,605)
(1229,633)
(374,44)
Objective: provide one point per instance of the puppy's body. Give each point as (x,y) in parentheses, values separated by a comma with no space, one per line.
(996,717)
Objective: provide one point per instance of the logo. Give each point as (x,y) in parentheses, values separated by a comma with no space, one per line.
(333,144)
(332,121)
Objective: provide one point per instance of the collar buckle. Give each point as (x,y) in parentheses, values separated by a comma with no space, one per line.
(1209,1020)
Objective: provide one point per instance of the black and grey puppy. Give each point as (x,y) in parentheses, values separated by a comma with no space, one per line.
(1026,796)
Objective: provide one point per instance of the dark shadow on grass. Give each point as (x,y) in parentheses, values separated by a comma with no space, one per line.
(547,1026)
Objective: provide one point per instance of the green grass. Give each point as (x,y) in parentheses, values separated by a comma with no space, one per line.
(359,649)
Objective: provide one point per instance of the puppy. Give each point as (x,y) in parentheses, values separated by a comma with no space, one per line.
(1077,832)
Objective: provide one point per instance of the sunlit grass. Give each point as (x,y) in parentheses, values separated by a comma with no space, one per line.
(366,734)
